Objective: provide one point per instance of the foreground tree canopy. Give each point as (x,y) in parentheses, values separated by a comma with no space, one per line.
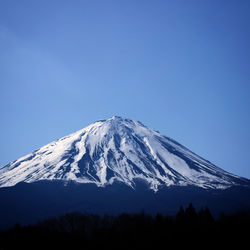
(131,231)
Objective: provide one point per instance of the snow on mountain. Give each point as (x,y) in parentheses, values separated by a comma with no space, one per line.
(117,149)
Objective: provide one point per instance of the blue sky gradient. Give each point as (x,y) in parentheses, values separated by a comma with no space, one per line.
(180,67)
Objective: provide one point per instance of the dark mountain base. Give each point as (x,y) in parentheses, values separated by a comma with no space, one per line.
(29,203)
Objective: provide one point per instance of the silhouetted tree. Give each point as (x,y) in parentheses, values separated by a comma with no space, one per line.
(180,215)
(190,211)
(205,217)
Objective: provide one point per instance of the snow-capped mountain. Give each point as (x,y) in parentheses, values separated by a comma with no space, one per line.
(120,150)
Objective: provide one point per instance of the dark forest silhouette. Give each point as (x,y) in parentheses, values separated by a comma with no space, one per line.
(131,231)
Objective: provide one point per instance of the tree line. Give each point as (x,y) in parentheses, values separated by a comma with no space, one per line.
(189,228)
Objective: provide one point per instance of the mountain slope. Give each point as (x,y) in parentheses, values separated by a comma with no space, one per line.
(120,150)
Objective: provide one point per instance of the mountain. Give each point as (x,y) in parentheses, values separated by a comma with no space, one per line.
(113,166)
(120,150)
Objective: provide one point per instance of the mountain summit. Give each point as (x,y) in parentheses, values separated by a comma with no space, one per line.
(117,150)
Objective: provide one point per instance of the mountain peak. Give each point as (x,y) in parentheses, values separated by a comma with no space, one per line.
(115,117)
(117,149)
(120,120)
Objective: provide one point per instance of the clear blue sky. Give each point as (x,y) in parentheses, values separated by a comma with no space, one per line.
(180,67)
